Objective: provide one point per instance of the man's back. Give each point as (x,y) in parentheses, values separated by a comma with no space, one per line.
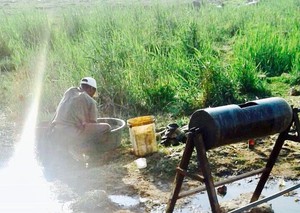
(75,109)
(75,123)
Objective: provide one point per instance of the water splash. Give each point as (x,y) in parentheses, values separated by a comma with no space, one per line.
(22,185)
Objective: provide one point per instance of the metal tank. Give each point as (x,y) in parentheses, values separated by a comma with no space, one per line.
(234,123)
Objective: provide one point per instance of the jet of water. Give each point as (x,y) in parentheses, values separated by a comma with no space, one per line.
(23,187)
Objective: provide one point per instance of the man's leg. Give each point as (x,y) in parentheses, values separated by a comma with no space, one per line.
(96,130)
(95,135)
(59,142)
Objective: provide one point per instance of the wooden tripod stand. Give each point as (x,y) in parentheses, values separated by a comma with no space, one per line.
(195,140)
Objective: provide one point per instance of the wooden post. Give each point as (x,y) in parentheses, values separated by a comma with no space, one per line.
(208,179)
(189,147)
(272,159)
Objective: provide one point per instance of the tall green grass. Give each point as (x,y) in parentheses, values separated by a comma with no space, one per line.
(153,58)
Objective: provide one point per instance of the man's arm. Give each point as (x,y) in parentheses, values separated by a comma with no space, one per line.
(93,113)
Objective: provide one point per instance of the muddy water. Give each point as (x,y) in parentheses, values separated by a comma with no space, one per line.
(23,187)
(289,202)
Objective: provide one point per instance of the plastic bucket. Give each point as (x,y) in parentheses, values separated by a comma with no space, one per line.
(142,135)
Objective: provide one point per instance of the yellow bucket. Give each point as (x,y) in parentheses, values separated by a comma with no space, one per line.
(142,135)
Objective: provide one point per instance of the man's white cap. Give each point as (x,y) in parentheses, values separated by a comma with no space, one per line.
(89,81)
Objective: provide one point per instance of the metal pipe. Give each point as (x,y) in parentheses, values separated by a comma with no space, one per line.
(263,200)
(220,183)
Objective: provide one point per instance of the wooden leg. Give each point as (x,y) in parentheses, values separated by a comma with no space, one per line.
(272,159)
(189,147)
(206,172)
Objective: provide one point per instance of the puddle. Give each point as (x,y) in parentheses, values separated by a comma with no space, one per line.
(285,203)
(199,203)
(124,200)
(23,187)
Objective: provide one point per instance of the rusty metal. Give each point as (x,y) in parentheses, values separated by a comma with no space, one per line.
(215,127)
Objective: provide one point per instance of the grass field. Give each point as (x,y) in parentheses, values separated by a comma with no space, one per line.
(166,57)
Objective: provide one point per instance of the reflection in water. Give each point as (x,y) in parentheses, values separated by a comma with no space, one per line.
(199,202)
(22,185)
(286,203)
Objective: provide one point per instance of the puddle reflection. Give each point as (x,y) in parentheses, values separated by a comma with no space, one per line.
(23,187)
(285,203)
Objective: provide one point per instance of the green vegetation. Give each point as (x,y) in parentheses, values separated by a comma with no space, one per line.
(152,58)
